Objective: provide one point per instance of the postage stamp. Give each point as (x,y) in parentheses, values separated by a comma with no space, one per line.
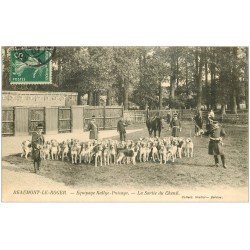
(30,65)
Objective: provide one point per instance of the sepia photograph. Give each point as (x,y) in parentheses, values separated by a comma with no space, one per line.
(125,124)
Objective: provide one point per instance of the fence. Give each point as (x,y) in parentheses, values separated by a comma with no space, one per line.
(139,116)
(23,120)
(135,116)
(235,118)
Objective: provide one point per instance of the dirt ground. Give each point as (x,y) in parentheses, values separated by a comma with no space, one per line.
(195,172)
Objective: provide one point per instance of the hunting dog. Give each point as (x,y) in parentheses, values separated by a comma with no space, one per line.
(98,155)
(46,150)
(162,153)
(26,148)
(189,147)
(181,147)
(129,153)
(172,151)
(74,151)
(54,150)
(64,150)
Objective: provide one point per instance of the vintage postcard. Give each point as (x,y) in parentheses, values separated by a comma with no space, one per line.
(125,124)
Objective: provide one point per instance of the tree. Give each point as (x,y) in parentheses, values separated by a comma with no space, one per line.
(199,63)
(126,72)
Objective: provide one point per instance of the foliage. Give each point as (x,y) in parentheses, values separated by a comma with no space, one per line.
(195,76)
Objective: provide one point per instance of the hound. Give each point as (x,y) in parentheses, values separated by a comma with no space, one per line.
(163,153)
(98,155)
(75,148)
(54,150)
(46,150)
(26,148)
(64,150)
(189,147)
(112,153)
(172,151)
(106,154)
(154,152)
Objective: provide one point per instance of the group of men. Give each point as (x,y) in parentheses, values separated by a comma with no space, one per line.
(94,130)
(213,129)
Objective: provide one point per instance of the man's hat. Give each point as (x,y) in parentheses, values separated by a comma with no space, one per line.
(39,126)
(93,116)
(175,115)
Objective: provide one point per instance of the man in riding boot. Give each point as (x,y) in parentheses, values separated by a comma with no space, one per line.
(215,146)
(121,128)
(93,129)
(175,125)
(37,143)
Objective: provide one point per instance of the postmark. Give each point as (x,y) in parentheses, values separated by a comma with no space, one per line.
(31,65)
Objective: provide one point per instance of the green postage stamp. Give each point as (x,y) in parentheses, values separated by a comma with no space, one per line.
(31,65)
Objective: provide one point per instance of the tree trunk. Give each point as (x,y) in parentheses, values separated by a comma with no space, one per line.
(172,80)
(233,106)
(238,100)
(177,72)
(97,100)
(160,96)
(234,82)
(246,93)
(186,76)
(108,98)
(94,99)
(246,78)
(125,98)
(198,74)
(59,74)
(213,92)
(172,85)
(206,81)
(90,98)
(79,99)
(142,65)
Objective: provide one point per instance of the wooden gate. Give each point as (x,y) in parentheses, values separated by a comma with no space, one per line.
(64,119)
(106,116)
(99,116)
(112,116)
(36,116)
(8,124)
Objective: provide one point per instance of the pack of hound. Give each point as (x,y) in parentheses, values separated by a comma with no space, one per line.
(106,152)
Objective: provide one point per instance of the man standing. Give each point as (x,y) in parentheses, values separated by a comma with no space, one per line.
(121,128)
(37,143)
(198,121)
(175,124)
(169,118)
(93,129)
(215,146)
(210,118)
